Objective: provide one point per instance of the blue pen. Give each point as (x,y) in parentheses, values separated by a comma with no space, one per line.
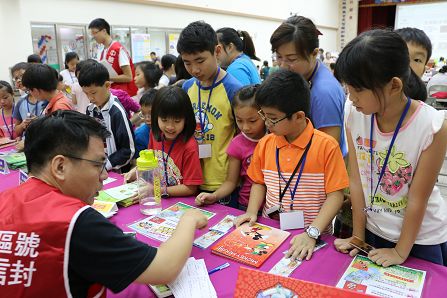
(218,268)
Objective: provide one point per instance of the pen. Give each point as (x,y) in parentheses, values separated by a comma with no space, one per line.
(218,268)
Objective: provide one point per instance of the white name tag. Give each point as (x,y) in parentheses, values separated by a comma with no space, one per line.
(291,220)
(204,150)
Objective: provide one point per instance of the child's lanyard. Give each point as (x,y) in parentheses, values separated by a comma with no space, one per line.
(301,163)
(202,120)
(27,106)
(71,77)
(382,171)
(10,132)
(312,75)
(165,160)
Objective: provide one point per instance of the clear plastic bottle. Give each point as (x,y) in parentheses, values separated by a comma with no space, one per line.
(148,177)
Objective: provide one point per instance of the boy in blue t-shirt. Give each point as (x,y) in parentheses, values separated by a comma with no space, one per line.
(211,91)
(107,109)
(142,132)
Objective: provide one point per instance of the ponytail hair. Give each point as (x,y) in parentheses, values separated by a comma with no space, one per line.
(241,40)
(373,58)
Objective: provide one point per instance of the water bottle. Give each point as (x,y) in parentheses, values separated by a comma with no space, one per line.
(148,177)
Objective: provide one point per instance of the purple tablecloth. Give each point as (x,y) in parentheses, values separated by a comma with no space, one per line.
(325,267)
(12,179)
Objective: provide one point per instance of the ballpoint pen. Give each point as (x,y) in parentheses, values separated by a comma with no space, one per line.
(218,268)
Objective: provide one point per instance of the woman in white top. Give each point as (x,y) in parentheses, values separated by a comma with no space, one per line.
(168,65)
(396,149)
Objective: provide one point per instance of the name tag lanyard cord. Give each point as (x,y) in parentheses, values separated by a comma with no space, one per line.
(202,119)
(385,163)
(10,132)
(300,165)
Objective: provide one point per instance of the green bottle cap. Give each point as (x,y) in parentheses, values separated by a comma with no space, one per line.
(147,159)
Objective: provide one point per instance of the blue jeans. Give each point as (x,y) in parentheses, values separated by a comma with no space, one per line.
(433,253)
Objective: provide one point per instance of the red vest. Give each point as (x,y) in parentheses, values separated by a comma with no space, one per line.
(112,57)
(36,222)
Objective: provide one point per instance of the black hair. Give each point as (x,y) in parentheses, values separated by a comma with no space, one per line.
(373,58)
(34,58)
(441,59)
(332,65)
(418,37)
(180,70)
(443,69)
(60,78)
(70,56)
(93,74)
(7,86)
(148,97)
(241,40)
(265,63)
(167,61)
(197,37)
(173,102)
(153,53)
(299,30)
(19,66)
(83,63)
(60,133)
(151,72)
(40,76)
(100,24)
(245,97)
(286,91)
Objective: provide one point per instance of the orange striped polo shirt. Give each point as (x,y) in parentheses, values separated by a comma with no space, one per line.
(324,170)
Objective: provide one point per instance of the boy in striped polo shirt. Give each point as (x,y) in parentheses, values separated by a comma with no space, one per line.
(295,168)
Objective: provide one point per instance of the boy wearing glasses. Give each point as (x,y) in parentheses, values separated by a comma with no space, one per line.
(297,171)
(106,108)
(142,132)
(116,56)
(58,245)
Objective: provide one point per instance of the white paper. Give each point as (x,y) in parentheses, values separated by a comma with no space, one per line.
(193,281)
(112,72)
(204,150)
(108,180)
(291,220)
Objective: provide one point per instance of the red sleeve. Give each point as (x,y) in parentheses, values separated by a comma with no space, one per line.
(191,169)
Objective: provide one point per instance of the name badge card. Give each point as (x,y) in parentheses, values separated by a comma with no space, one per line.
(4,167)
(291,220)
(204,151)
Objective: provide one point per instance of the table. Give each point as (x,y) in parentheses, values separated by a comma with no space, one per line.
(326,266)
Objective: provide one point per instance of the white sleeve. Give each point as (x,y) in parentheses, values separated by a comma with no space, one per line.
(123,58)
(164,81)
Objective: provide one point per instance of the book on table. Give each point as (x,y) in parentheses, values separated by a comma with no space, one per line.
(258,284)
(364,276)
(124,195)
(250,245)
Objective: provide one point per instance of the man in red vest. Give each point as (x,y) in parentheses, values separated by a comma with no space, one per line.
(115,57)
(52,243)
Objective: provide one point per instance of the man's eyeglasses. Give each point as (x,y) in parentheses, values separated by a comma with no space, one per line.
(270,122)
(144,116)
(101,164)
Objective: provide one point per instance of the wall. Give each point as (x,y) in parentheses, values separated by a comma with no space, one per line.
(260,21)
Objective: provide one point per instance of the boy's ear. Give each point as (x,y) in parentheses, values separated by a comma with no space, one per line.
(315,52)
(300,114)
(217,50)
(107,84)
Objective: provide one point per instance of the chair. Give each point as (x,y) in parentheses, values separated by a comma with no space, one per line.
(435,100)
